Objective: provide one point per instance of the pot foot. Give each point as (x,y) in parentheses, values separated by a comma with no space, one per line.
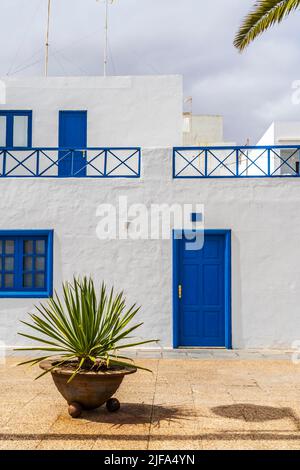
(113,405)
(75,409)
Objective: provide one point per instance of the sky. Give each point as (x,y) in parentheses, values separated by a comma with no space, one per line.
(193,38)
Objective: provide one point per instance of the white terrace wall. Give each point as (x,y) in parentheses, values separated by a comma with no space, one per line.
(263,215)
(123,111)
(280,133)
(286,132)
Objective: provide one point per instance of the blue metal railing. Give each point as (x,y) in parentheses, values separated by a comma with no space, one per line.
(236,162)
(93,162)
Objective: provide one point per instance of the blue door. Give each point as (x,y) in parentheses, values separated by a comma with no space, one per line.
(202,283)
(72,135)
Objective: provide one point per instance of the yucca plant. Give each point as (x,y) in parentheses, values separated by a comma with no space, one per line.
(264,14)
(83,328)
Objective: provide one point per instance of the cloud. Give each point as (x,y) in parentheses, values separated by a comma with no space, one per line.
(190,37)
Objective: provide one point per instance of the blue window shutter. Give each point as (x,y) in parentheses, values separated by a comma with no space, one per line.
(26,263)
(10,127)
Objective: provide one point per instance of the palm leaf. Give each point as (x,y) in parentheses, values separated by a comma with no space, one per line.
(264,15)
(127,364)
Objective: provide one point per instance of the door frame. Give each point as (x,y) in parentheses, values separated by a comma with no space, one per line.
(175,272)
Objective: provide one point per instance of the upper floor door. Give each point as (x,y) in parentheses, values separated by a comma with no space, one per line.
(73,138)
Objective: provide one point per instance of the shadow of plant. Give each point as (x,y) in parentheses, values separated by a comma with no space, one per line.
(256,413)
(134,414)
(140,413)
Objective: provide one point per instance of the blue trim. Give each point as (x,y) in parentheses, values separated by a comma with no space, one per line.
(228,290)
(64,148)
(39,153)
(24,295)
(50,263)
(228,285)
(235,171)
(34,234)
(242,147)
(10,127)
(175,279)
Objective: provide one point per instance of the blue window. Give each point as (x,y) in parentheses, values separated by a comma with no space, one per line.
(16,129)
(26,263)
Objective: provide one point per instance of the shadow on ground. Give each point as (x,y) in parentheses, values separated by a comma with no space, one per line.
(256,413)
(140,413)
(131,414)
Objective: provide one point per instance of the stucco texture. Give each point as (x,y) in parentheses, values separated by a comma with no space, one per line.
(263,215)
(125,111)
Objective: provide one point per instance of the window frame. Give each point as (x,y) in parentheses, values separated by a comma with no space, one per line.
(47,291)
(9,114)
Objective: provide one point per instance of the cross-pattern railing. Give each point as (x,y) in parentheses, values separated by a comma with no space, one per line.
(63,163)
(236,162)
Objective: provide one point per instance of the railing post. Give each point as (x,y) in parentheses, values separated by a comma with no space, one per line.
(85,165)
(4,163)
(72,163)
(237,170)
(174,163)
(205,163)
(140,163)
(37,162)
(269,161)
(105,162)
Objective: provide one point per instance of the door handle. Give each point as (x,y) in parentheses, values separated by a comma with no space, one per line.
(180,291)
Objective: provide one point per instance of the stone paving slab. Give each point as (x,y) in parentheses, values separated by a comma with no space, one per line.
(210,354)
(210,403)
(194,353)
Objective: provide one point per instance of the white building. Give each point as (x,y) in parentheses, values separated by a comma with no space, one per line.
(116,137)
(124,111)
(282,159)
(203,130)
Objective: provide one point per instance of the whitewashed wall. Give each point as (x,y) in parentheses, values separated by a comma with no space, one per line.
(202,130)
(124,111)
(286,132)
(279,133)
(262,213)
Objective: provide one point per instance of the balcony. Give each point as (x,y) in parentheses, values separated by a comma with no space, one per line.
(75,163)
(236,162)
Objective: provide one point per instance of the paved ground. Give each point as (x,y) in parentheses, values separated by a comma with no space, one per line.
(209,354)
(184,404)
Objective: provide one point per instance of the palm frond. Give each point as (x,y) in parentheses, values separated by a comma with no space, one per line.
(264,14)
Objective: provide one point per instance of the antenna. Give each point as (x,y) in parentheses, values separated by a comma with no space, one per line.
(105,39)
(105,58)
(105,55)
(47,39)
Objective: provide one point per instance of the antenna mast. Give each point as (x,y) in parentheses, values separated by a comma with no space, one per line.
(105,39)
(47,39)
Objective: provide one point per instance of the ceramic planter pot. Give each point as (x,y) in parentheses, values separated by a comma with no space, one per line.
(88,389)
